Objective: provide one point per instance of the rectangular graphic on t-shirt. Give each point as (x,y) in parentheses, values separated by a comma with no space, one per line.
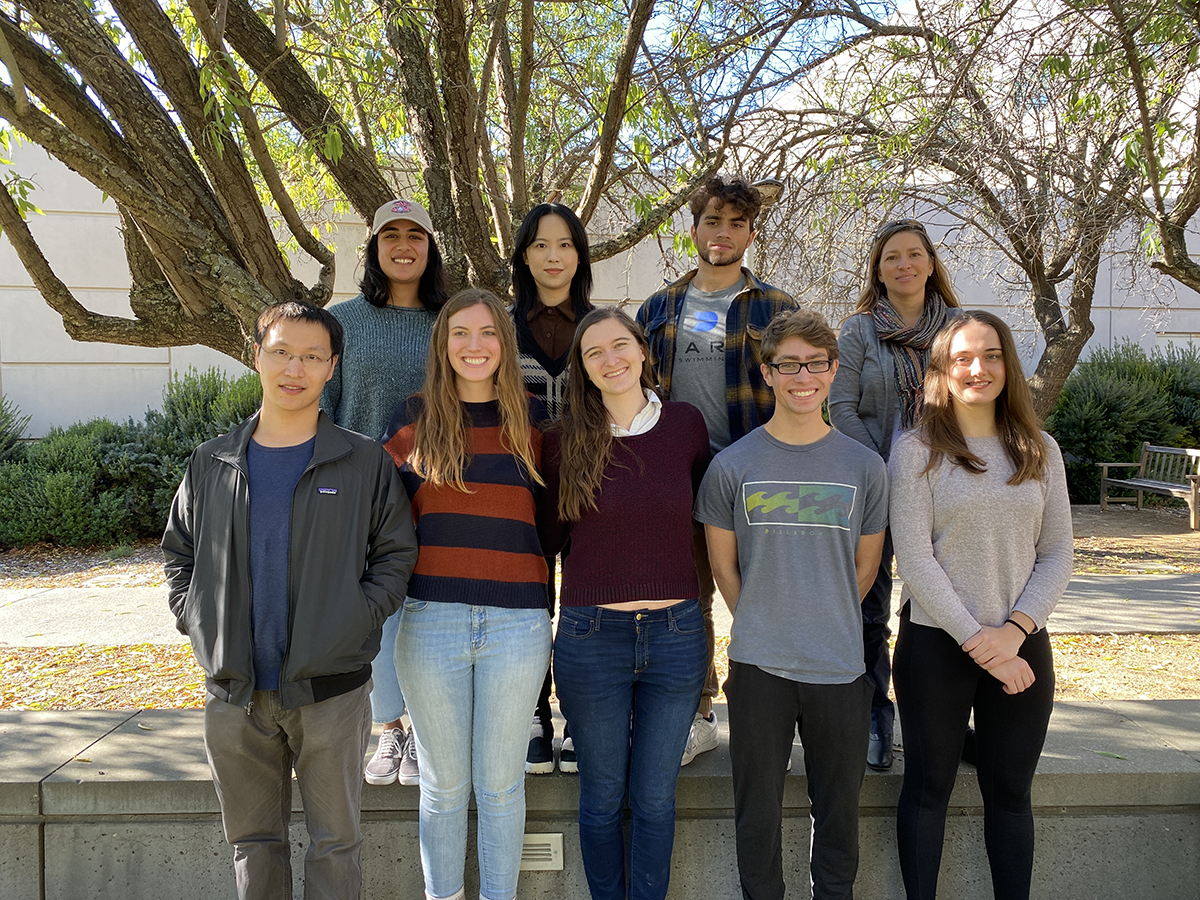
(820,504)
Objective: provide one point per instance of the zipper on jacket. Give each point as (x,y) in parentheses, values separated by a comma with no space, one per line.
(245,476)
(249,578)
(287,652)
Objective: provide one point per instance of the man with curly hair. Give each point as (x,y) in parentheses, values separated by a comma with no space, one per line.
(704,332)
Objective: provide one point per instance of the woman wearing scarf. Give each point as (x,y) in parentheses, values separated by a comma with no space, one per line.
(883,351)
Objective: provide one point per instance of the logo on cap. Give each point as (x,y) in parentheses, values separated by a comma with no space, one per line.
(401,206)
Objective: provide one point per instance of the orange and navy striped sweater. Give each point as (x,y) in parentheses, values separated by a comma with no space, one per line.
(481,547)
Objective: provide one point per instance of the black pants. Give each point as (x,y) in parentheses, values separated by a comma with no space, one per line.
(937,686)
(764,712)
(543,711)
(876,610)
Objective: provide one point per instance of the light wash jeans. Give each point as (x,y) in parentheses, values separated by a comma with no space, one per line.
(471,675)
(387,700)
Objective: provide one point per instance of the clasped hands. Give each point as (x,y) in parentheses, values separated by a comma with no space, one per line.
(995,649)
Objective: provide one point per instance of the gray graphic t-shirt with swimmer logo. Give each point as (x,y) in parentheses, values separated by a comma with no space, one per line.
(698,377)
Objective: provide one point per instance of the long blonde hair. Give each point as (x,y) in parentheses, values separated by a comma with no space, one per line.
(442,431)
(587,440)
(1017,422)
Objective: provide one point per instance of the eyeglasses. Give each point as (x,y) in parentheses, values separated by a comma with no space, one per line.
(282,359)
(791,367)
(899,225)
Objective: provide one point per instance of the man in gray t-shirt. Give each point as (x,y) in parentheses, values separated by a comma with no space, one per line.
(795,514)
(700,357)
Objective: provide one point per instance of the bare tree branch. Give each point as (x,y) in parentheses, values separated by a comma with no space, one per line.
(355,169)
(80,323)
(614,110)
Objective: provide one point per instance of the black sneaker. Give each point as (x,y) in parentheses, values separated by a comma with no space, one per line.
(539,759)
(566,757)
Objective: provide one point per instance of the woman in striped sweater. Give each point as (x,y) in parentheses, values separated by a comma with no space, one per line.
(474,639)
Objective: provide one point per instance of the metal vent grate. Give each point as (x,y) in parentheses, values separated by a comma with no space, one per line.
(542,852)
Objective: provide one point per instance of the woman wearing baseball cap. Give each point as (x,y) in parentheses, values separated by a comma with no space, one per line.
(387,341)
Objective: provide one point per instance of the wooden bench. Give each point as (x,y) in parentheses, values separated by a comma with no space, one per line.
(1171,471)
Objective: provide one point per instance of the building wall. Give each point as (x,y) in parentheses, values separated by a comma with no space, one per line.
(59,381)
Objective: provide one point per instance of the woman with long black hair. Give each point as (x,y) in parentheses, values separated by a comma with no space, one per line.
(387,330)
(552,288)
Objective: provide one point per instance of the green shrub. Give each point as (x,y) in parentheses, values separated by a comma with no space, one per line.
(60,491)
(1180,378)
(1118,399)
(12,429)
(103,483)
(196,407)
(22,501)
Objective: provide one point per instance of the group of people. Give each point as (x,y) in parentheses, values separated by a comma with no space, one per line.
(380,541)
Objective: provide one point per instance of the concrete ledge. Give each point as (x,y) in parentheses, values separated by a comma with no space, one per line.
(121,805)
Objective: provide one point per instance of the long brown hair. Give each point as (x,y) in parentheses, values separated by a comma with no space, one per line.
(441,433)
(1018,425)
(873,291)
(586,436)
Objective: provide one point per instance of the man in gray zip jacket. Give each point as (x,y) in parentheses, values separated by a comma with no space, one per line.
(289,543)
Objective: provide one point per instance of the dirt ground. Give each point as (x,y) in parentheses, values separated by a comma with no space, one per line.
(1088,667)
(1125,539)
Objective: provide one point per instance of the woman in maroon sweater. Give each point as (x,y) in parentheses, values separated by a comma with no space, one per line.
(630,655)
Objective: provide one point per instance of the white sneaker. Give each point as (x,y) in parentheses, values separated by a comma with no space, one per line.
(384,766)
(701,738)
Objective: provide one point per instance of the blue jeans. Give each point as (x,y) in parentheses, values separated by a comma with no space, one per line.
(629,683)
(471,676)
(387,700)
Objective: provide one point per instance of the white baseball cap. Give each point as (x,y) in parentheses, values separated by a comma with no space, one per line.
(401,211)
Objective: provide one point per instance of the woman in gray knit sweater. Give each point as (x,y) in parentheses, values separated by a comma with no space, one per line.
(984,545)
(387,330)
(883,350)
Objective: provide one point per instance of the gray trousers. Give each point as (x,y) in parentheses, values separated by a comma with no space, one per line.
(764,713)
(252,757)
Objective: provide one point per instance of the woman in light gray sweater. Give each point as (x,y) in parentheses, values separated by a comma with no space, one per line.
(984,546)
(883,350)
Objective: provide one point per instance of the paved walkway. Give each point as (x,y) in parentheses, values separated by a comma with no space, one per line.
(60,617)
(49,617)
(1093,604)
